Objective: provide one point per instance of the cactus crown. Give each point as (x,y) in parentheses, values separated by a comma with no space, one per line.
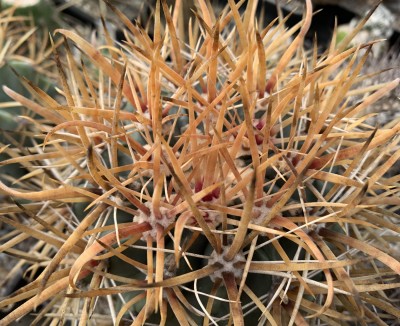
(213,173)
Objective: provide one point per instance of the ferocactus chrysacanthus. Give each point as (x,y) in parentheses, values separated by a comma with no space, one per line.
(254,191)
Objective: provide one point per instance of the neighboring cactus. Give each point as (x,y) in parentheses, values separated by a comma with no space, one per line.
(226,181)
(25,52)
(43,13)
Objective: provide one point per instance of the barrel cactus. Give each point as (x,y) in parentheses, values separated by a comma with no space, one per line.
(215,174)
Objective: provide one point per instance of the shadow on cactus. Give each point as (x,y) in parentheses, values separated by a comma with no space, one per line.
(227,180)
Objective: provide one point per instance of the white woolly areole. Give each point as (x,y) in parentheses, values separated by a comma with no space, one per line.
(260,214)
(140,126)
(214,217)
(227,266)
(164,221)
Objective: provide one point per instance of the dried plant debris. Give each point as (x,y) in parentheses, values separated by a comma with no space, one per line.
(230,179)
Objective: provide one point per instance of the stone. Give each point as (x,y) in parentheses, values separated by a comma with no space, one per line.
(358,7)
